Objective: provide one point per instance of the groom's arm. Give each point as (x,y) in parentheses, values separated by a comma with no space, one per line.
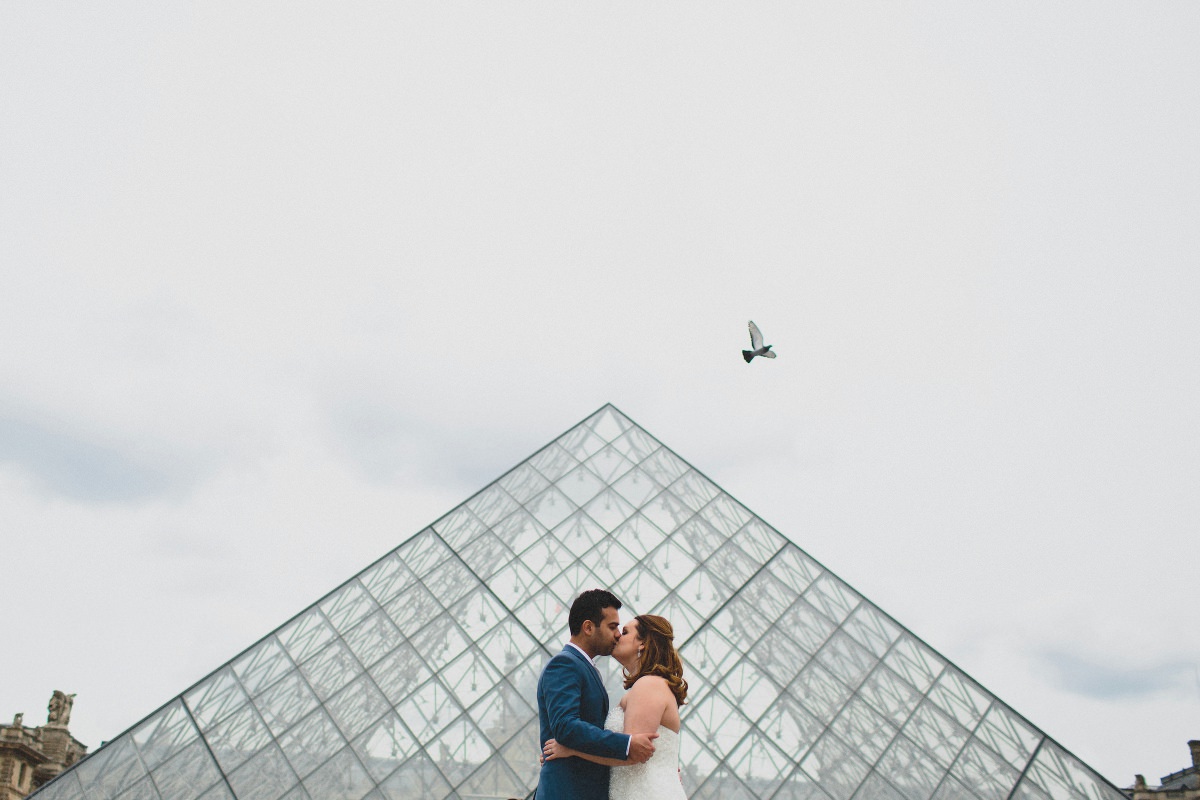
(560,684)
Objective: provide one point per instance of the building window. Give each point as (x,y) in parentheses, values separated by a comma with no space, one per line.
(21,781)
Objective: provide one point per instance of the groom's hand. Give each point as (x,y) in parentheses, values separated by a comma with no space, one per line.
(641,747)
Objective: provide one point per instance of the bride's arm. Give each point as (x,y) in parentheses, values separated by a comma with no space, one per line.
(646,704)
(554,750)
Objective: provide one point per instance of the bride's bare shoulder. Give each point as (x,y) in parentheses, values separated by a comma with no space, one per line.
(650,684)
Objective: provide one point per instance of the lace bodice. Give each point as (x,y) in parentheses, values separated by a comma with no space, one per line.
(658,778)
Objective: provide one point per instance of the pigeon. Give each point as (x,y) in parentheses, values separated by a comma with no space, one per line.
(756,343)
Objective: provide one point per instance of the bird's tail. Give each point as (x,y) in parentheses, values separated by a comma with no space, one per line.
(747,354)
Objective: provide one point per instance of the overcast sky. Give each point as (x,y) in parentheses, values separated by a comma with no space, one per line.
(283,282)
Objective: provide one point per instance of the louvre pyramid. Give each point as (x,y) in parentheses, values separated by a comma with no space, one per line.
(416,678)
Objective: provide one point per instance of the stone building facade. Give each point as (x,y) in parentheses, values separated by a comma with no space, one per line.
(30,757)
(1181,785)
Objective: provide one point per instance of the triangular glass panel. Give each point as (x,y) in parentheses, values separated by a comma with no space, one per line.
(635,444)
(164,734)
(187,774)
(609,464)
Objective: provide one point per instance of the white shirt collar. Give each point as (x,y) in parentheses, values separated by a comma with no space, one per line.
(585,655)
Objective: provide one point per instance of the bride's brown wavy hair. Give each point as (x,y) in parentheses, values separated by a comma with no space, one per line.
(658,655)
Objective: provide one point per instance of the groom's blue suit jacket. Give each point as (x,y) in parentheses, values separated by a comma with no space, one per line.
(572,707)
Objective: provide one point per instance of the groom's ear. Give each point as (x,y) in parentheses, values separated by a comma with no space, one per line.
(587,628)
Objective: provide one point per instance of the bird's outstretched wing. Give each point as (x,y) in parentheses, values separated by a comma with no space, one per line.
(769,354)
(755,336)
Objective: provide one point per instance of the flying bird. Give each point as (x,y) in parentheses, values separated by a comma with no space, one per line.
(756,342)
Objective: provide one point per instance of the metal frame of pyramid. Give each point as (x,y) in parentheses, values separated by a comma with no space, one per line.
(416,677)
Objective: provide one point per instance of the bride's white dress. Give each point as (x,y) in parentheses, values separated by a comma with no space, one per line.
(658,778)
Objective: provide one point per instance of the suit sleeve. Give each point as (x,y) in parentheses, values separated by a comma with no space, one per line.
(560,686)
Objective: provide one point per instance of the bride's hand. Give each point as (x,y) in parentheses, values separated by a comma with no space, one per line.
(553,750)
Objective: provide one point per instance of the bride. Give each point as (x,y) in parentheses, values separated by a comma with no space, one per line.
(654,678)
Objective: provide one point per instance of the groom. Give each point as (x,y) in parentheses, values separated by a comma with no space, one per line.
(573,704)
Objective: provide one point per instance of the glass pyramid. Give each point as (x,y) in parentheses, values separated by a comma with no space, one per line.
(416,678)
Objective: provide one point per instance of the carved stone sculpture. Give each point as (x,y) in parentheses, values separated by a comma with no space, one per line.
(59,708)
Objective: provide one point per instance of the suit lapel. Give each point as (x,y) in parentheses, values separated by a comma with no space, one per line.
(594,673)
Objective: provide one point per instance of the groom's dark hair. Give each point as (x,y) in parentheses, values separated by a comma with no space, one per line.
(591,605)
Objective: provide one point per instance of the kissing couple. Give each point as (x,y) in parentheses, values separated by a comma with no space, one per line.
(632,752)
